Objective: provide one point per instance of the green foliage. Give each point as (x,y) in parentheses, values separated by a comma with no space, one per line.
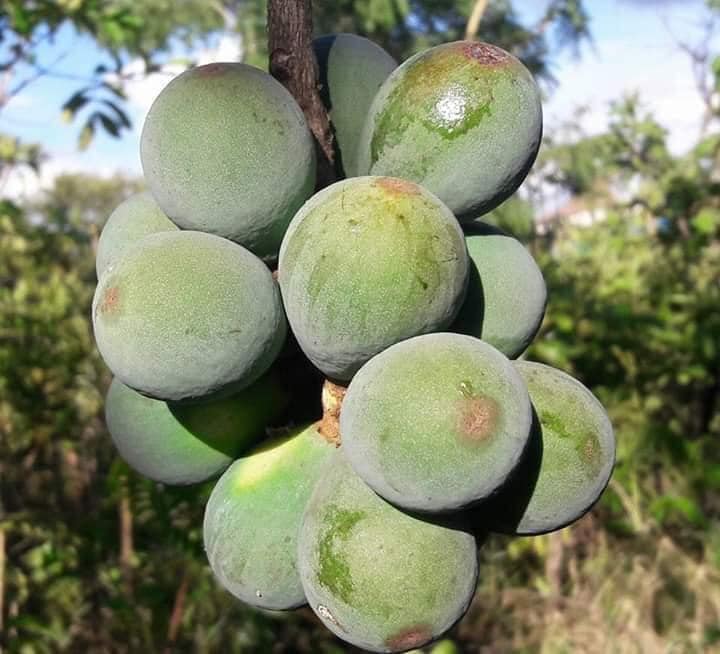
(122,29)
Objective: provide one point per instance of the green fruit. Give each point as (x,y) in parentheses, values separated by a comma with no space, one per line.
(226,150)
(366,263)
(437,422)
(463,119)
(187,444)
(377,577)
(352,69)
(133,219)
(185,315)
(506,295)
(253,515)
(569,462)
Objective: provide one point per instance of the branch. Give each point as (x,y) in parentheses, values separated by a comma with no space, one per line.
(177,612)
(293,64)
(2,579)
(473,24)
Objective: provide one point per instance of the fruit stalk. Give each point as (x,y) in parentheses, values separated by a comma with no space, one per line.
(293,64)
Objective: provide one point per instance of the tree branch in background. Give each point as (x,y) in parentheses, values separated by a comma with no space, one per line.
(126,539)
(293,64)
(2,583)
(177,612)
(701,56)
(473,24)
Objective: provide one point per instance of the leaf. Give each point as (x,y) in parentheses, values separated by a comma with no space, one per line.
(76,102)
(110,126)
(87,133)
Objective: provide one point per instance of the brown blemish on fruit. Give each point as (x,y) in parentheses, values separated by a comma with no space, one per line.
(409,638)
(110,301)
(478,419)
(397,186)
(484,53)
(211,70)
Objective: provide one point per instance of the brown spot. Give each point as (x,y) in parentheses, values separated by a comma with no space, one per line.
(211,70)
(484,53)
(397,186)
(478,419)
(409,638)
(110,300)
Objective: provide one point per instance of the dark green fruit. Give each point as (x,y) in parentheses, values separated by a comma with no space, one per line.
(569,462)
(463,119)
(377,577)
(252,519)
(437,422)
(352,69)
(506,295)
(366,263)
(226,150)
(189,443)
(135,218)
(185,315)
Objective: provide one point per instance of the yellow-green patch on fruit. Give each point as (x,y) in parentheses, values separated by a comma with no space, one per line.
(366,263)
(437,422)
(133,219)
(253,515)
(225,149)
(352,69)
(506,296)
(377,577)
(463,119)
(189,443)
(185,315)
(570,464)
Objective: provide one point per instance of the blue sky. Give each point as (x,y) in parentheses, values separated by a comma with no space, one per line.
(635,49)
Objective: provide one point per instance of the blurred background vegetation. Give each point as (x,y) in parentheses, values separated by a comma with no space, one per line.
(94,558)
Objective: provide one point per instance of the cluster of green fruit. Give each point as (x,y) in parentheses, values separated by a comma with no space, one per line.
(391,287)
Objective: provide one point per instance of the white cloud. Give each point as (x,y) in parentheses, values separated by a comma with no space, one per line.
(22,183)
(142,90)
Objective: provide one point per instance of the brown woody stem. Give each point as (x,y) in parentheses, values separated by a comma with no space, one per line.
(332,399)
(293,64)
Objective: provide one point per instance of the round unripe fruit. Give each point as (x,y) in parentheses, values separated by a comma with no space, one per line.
(185,315)
(506,296)
(366,263)
(352,69)
(437,422)
(569,462)
(133,219)
(253,516)
(463,119)
(377,577)
(225,149)
(189,443)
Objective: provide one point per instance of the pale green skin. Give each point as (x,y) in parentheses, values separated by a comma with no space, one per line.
(132,220)
(253,516)
(366,263)
(437,422)
(377,577)
(463,119)
(506,296)
(352,69)
(186,315)
(226,150)
(571,468)
(189,443)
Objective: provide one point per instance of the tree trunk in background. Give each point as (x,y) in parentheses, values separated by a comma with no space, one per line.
(293,64)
